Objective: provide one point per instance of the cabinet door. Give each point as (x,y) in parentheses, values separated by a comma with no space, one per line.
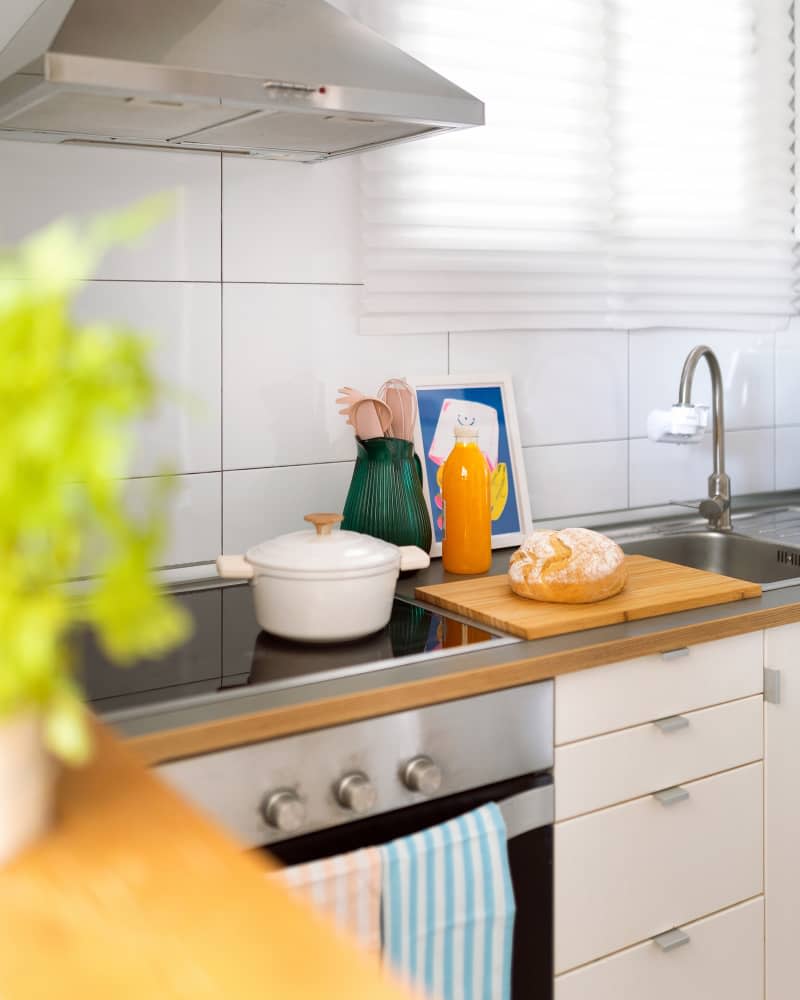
(782,815)
(722,958)
(600,772)
(638,869)
(605,699)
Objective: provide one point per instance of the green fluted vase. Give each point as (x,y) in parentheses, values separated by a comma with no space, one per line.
(385,498)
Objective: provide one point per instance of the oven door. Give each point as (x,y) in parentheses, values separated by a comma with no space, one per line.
(527,806)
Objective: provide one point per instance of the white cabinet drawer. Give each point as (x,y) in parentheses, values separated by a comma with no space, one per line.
(590,702)
(723,960)
(782,814)
(636,870)
(602,771)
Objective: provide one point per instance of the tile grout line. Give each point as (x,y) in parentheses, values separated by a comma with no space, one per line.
(218,281)
(221,355)
(345,461)
(244,468)
(569,444)
(628,408)
(294,465)
(221,400)
(643,437)
(775,411)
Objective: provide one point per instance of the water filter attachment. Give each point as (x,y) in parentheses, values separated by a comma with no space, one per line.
(679,425)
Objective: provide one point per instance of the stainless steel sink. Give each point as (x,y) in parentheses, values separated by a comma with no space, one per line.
(766,562)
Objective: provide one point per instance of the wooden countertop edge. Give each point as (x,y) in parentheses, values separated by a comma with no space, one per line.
(220,734)
(133,893)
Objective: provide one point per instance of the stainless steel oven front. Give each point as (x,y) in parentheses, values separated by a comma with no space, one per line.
(330,791)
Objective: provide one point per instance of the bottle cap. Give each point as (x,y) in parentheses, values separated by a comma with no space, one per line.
(462,431)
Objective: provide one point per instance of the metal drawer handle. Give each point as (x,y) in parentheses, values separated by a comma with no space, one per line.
(675,654)
(670,940)
(672,723)
(772,686)
(669,796)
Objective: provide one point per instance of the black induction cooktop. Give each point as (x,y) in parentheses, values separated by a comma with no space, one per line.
(227,650)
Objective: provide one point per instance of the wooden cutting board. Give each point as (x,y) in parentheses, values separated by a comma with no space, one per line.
(654,588)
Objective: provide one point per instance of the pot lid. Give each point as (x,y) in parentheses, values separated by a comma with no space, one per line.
(323,550)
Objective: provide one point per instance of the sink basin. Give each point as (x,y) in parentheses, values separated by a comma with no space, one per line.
(760,561)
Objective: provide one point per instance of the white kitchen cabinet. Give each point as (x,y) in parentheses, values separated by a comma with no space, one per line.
(721,958)
(604,699)
(660,826)
(625,874)
(782,815)
(595,773)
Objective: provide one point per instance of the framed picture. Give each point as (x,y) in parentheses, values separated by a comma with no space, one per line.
(488,401)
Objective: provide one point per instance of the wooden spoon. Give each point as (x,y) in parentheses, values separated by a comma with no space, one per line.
(371,417)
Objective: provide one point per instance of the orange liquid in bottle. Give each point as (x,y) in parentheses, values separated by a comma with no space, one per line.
(467,541)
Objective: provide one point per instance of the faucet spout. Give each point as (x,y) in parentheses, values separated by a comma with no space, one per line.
(717,508)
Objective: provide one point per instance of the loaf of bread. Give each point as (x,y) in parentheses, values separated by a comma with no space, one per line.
(573,566)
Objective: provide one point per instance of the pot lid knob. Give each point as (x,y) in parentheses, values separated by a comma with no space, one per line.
(323,522)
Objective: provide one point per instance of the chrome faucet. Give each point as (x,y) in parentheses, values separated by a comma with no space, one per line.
(717,507)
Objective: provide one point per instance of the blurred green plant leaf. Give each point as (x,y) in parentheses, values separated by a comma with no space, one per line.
(69,392)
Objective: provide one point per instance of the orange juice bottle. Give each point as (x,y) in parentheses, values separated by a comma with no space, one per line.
(467,537)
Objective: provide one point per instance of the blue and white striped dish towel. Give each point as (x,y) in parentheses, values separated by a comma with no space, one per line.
(448,908)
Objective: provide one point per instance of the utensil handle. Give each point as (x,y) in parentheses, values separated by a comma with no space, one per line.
(234,568)
(413,557)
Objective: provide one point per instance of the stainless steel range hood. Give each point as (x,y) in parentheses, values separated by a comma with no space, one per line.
(284,79)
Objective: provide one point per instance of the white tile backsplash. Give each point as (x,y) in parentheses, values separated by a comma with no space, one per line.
(787,374)
(40,182)
(787,458)
(662,472)
(290,222)
(184,434)
(569,479)
(287,350)
(260,503)
(746,359)
(253,365)
(194,516)
(569,387)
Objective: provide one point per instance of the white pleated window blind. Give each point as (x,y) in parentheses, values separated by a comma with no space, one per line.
(636,169)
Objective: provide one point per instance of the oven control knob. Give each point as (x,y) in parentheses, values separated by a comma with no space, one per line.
(422,775)
(356,792)
(284,811)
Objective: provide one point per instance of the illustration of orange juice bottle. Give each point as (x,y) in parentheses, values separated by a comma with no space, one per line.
(467,523)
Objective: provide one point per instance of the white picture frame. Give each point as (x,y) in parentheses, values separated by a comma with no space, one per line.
(502,445)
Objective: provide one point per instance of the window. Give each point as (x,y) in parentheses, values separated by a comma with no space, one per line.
(636,169)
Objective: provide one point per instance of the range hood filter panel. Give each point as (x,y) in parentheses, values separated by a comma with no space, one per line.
(112,116)
(285,130)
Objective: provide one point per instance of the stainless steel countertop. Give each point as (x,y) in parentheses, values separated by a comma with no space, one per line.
(229,704)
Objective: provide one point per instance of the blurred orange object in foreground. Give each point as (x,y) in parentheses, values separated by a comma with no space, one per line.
(135,894)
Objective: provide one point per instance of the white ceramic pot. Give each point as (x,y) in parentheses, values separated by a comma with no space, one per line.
(27,783)
(323,585)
